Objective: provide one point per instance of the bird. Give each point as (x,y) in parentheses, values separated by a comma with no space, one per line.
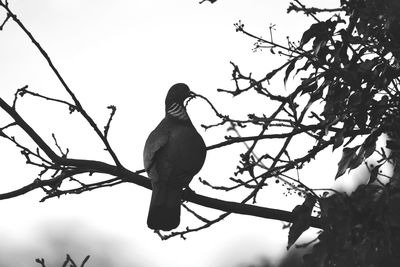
(173,153)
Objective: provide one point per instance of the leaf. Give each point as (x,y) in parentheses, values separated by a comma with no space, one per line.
(308,85)
(289,70)
(315,30)
(340,135)
(302,219)
(349,154)
(374,174)
(335,100)
(305,67)
(361,119)
(367,65)
(357,160)
(339,138)
(317,93)
(369,147)
(317,45)
(355,99)
(393,145)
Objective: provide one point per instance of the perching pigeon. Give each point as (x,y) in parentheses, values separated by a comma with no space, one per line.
(174,152)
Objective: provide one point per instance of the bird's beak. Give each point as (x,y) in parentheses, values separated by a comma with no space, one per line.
(190,97)
(192,94)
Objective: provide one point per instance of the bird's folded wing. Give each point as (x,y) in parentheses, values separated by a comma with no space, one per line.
(156,141)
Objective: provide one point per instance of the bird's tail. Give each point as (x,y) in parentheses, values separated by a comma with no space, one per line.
(165,207)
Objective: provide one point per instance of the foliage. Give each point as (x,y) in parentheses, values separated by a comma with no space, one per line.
(350,65)
(302,221)
(361,230)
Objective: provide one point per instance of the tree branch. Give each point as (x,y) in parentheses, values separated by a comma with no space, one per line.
(93,166)
(64,84)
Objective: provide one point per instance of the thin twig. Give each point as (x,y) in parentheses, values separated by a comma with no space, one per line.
(107,127)
(195,214)
(4,22)
(85,260)
(22,91)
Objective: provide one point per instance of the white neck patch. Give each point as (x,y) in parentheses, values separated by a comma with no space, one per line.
(178,111)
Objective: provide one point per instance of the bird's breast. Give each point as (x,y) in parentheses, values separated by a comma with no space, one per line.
(187,146)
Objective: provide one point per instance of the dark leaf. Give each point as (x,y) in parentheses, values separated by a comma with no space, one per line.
(367,65)
(339,137)
(289,70)
(379,108)
(355,99)
(369,144)
(316,94)
(361,119)
(335,99)
(315,30)
(305,67)
(357,160)
(317,46)
(340,55)
(361,27)
(302,219)
(349,154)
(374,174)
(308,85)
(393,145)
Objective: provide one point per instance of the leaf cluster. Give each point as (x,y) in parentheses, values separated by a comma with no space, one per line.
(355,69)
(361,230)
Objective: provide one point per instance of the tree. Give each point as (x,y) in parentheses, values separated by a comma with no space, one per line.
(350,66)
(347,97)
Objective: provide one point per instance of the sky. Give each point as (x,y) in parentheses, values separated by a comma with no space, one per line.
(128,54)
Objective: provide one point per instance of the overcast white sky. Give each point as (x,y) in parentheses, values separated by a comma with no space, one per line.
(128,53)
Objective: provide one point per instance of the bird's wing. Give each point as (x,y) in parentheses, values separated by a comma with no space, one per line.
(157,139)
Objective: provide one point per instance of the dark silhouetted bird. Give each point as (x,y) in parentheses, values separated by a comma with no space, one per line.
(174,152)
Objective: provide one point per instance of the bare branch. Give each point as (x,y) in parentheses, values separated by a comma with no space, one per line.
(4,22)
(191,230)
(85,260)
(311,10)
(132,177)
(107,127)
(64,154)
(78,105)
(7,126)
(195,214)
(22,91)
(41,262)
(211,1)
(69,260)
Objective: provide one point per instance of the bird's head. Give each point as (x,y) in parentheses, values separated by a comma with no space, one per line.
(177,94)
